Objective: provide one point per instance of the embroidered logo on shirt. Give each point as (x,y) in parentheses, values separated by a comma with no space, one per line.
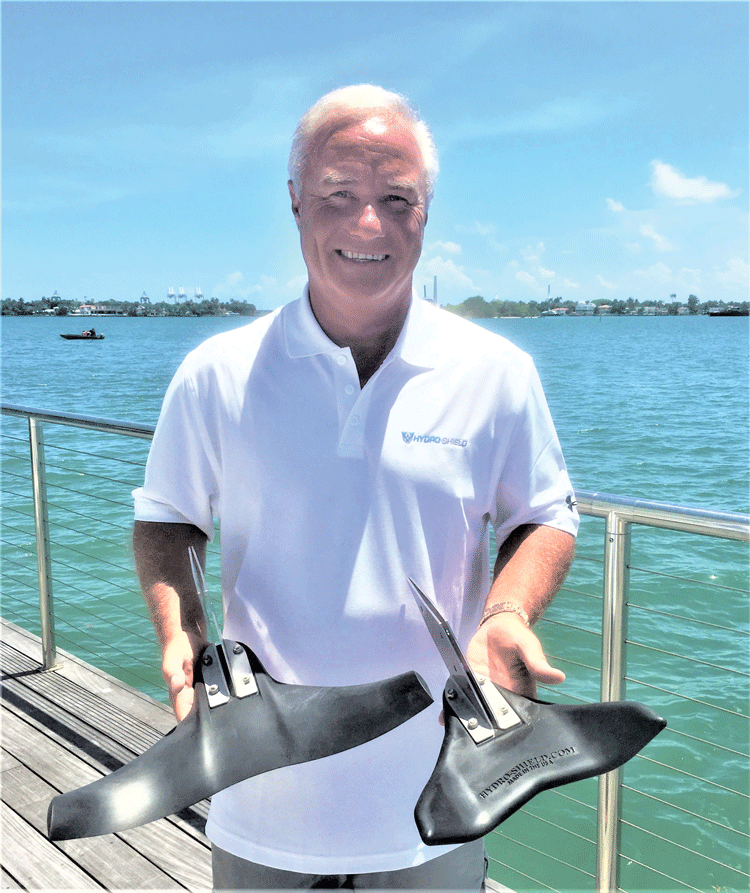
(411,437)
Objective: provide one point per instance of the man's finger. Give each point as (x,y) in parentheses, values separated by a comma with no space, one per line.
(537,664)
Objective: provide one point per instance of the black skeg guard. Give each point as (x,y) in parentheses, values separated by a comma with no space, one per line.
(474,788)
(213,748)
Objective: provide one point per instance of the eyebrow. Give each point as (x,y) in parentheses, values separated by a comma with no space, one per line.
(336,179)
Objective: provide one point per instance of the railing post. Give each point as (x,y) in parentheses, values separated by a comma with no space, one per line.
(616,578)
(41,523)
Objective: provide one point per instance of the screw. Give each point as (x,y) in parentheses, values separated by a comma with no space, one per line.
(237,648)
(246,680)
(207,660)
(213,689)
(450,694)
(473,723)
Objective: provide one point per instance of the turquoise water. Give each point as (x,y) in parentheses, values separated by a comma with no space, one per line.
(655,408)
(645,406)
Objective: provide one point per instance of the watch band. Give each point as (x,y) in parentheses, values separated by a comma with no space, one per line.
(503,608)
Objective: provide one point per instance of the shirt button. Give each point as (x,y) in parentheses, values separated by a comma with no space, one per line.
(341,359)
(349,389)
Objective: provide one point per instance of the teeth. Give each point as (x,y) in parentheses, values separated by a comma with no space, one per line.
(350,255)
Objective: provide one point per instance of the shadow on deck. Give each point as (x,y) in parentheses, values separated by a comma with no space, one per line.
(64,728)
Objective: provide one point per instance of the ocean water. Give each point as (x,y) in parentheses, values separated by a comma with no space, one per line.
(655,407)
(652,407)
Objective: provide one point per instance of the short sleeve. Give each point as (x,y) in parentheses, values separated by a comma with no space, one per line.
(181,483)
(533,482)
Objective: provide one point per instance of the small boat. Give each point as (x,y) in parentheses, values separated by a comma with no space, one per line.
(84,336)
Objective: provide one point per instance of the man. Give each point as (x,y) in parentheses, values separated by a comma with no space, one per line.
(352,439)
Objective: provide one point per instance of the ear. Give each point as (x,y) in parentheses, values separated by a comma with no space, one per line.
(295,201)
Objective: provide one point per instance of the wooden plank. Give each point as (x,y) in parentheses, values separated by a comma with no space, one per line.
(66,767)
(135,702)
(66,700)
(64,728)
(34,862)
(100,753)
(7,882)
(183,857)
(108,859)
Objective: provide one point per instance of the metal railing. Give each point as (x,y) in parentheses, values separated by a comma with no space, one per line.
(619,515)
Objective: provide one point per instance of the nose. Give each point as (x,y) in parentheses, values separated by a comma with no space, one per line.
(369,220)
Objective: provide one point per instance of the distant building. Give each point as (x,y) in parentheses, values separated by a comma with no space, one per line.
(605,309)
(585,308)
(99,310)
(683,311)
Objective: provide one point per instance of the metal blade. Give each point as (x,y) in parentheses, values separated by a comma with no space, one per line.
(200,585)
(487,710)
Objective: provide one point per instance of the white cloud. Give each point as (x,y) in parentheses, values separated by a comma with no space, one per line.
(546,274)
(604,284)
(668,181)
(451,277)
(568,283)
(234,286)
(447,247)
(660,242)
(689,280)
(526,279)
(533,254)
(615,206)
(658,273)
(483,229)
(735,273)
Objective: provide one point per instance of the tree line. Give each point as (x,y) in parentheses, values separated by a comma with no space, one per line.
(477,307)
(206,307)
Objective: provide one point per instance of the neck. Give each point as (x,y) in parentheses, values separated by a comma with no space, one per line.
(369,339)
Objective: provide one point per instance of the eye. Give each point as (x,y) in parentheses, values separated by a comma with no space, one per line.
(397,203)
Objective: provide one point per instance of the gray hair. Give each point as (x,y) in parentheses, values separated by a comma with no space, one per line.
(349,100)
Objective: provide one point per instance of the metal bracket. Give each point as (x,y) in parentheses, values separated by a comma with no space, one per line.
(217,685)
(240,672)
(226,671)
(482,725)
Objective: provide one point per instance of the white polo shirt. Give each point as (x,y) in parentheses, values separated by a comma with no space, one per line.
(329,497)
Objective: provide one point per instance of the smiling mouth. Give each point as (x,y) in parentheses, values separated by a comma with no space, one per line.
(362,258)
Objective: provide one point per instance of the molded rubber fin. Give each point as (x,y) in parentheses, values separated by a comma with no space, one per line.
(475,787)
(213,748)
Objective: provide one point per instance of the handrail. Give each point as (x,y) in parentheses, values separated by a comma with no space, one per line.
(727,525)
(619,514)
(94,423)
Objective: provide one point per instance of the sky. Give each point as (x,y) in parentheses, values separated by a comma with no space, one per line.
(588,150)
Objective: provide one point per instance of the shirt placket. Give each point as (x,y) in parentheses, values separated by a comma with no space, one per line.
(353,404)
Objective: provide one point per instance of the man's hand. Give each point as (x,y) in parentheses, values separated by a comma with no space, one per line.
(509,653)
(177,668)
(162,559)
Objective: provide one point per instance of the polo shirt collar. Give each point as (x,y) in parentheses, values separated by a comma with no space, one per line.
(302,332)
(305,338)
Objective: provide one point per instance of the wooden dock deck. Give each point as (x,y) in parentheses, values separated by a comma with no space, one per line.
(64,728)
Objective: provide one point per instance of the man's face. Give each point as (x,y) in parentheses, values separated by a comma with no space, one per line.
(362,212)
